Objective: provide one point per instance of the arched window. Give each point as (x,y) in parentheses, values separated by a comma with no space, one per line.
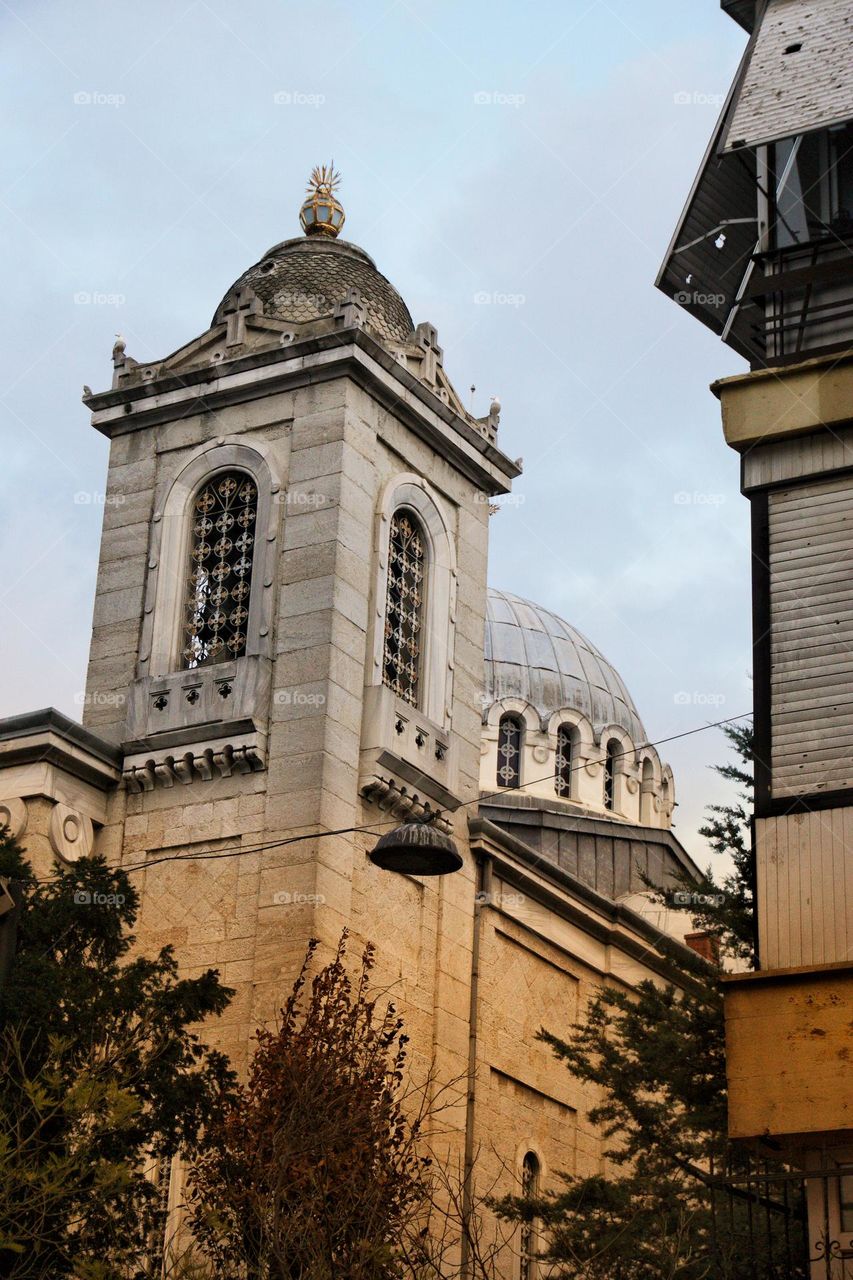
(564,761)
(510,736)
(611,751)
(529,1190)
(647,792)
(216,611)
(404,606)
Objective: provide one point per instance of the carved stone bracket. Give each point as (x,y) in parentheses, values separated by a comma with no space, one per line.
(401,803)
(208,764)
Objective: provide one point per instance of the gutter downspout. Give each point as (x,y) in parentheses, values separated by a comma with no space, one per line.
(481,899)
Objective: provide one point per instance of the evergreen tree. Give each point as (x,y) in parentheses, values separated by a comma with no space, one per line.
(100,1074)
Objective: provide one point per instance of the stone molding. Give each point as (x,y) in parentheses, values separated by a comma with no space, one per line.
(145,772)
(349,352)
(391,797)
(159,652)
(413,492)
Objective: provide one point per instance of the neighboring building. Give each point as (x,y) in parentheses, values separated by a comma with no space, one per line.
(288,642)
(763,254)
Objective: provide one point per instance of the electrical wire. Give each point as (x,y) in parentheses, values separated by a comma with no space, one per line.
(374,828)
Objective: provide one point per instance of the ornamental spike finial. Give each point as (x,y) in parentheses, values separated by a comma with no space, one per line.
(322,214)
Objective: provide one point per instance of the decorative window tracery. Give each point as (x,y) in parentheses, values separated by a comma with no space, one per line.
(404,605)
(610,774)
(564,762)
(529,1190)
(225,511)
(509,751)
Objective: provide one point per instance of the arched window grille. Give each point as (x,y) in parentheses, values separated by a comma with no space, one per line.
(610,774)
(509,751)
(216,614)
(404,606)
(564,761)
(529,1190)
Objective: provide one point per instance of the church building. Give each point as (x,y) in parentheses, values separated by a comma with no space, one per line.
(295,652)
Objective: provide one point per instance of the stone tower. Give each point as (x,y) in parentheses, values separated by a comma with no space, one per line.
(287,638)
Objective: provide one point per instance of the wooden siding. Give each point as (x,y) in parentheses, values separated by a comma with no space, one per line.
(798,458)
(811,637)
(805,888)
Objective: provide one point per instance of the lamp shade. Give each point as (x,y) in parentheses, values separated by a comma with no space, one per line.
(416,849)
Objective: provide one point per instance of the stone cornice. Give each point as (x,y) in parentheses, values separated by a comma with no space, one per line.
(609,922)
(257,374)
(47,736)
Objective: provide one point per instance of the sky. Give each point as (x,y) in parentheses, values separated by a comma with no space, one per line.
(515,170)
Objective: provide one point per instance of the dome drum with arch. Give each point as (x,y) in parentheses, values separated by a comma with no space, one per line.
(579,738)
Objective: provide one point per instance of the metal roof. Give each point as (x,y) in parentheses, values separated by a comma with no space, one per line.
(708,257)
(534,655)
(798,77)
(743,12)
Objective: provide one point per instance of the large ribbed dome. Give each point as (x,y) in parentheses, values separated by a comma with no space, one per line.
(532,654)
(301,280)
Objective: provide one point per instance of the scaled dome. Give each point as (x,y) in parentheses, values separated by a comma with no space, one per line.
(302,279)
(533,655)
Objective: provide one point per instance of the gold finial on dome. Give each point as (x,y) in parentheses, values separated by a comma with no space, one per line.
(322,214)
